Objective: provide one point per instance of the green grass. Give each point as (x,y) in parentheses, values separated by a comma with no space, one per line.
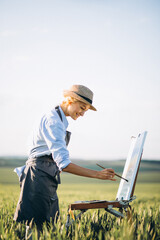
(94,224)
(7,176)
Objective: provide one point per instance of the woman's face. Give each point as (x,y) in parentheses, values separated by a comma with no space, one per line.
(77,109)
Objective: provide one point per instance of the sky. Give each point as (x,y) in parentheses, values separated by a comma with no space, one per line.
(110,46)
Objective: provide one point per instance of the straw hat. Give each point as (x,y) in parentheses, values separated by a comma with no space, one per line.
(81,93)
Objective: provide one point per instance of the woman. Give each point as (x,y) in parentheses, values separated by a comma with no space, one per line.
(48,156)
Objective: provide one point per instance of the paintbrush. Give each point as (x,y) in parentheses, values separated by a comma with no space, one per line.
(115,173)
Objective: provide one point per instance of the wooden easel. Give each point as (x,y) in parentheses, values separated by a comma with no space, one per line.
(124,197)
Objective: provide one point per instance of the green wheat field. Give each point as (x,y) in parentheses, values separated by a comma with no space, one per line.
(94,224)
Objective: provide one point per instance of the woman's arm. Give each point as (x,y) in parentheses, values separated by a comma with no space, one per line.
(105,174)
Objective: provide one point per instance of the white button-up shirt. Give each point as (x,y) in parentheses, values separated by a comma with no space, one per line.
(48,137)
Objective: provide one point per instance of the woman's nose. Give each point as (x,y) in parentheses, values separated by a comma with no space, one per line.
(82,113)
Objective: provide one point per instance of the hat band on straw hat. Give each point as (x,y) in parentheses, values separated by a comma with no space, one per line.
(87,99)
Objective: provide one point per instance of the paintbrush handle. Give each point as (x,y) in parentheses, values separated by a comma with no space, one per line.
(115,173)
(100,166)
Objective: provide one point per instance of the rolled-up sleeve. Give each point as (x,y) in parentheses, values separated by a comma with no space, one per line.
(54,134)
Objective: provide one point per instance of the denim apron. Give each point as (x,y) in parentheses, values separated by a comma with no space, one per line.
(38,200)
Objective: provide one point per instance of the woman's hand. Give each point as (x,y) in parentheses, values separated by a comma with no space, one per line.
(106,174)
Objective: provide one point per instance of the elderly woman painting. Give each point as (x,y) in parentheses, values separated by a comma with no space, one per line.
(48,156)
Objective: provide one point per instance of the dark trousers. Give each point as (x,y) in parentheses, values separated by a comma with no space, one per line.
(38,202)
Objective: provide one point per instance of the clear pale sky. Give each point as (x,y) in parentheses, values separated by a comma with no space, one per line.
(112,47)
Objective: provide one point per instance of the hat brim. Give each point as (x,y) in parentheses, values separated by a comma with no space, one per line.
(68,93)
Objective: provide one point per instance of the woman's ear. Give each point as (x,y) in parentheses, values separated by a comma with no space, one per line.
(69,102)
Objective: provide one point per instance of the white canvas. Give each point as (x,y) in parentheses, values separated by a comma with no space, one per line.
(131,167)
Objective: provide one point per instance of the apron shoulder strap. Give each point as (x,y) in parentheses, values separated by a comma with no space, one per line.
(68,134)
(59,112)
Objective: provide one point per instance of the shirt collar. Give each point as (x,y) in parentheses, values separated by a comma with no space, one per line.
(65,121)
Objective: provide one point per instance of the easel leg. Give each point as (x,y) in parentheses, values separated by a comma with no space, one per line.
(69,222)
(122,212)
(129,213)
